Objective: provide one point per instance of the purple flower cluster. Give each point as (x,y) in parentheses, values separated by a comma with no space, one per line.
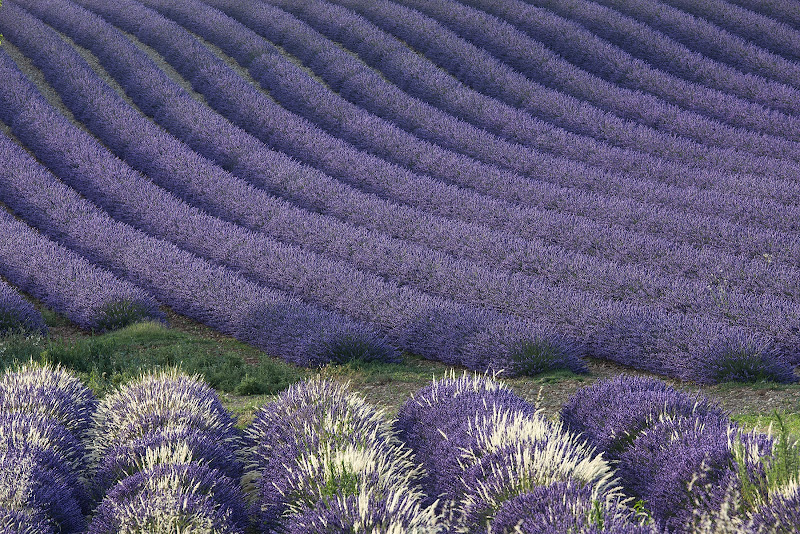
(482,446)
(566,507)
(164,457)
(88,295)
(681,456)
(610,414)
(474,352)
(17,314)
(323,460)
(485,76)
(643,42)
(44,417)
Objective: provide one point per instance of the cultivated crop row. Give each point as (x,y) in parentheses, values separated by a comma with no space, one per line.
(516,101)
(465,454)
(703,36)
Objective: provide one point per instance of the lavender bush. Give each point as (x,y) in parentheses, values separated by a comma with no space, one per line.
(567,507)
(17,314)
(322,454)
(610,414)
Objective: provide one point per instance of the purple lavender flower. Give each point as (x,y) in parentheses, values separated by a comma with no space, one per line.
(317,442)
(17,314)
(780,515)
(666,461)
(567,507)
(26,521)
(169,497)
(610,413)
(37,483)
(177,445)
(156,401)
(51,393)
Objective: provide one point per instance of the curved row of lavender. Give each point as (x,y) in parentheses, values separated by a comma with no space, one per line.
(457,81)
(45,414)
(163,459)
(671,323)
(487,452)
(582,301)
(684,458)
(275,321)
(17,314)
(323,460)
(88,295)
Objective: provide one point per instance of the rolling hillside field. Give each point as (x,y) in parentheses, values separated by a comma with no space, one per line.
(603,196)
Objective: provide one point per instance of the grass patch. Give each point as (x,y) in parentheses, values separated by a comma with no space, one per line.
(761,422)
(105,361)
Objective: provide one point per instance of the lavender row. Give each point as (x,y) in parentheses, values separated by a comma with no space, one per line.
(786,11)
(426,80)
(44,413)
(704,37)
(476,48)
(17,314)
(324,460)
(250,109)
(360,84)
(129,197)
(588,51)
(664,53)
(164,459)
(500,290)
(298,92)
(644,96)
(771,34)
(89,296)
(194,287)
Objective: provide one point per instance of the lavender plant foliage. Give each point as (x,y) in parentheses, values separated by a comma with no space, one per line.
(747,359)
(480,350)
(780,515)
(178,445)
(398,514)
(17,314)
(158,401)
(610,414)
(567,507)
(27,521)
(48,392)
(434,420)
(317,441)
(35,484)
(169,498)
(665,461)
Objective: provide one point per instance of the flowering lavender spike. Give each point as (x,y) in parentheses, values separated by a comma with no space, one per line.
(609,414)
(17,314)
(780,514)
(49,392)
(158,400)
(567,507)
(172,498)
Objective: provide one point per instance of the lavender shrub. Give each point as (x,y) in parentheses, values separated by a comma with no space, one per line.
(17,314)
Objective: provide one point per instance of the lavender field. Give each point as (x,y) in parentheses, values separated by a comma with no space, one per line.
(506,185)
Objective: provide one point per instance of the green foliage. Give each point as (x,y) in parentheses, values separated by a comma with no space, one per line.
(120,314)
(108,360)
(531,358)
(779,468)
